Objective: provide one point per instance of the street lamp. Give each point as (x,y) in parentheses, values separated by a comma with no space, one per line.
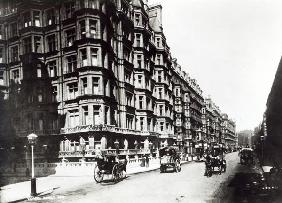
(262,146)
(32,140)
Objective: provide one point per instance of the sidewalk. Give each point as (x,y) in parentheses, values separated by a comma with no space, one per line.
(46,185)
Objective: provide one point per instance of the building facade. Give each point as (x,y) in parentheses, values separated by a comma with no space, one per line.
(229,135)
(93,74)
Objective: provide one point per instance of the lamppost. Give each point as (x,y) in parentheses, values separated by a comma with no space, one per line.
(262,146)
(32,140)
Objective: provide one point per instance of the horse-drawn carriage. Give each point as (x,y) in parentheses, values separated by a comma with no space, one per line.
(169,158)
(246,156)
(109,165)
(215,159)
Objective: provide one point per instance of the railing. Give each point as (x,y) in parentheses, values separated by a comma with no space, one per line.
(108,128)
(91,153)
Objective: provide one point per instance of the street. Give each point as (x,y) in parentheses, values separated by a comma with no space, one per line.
(190,185)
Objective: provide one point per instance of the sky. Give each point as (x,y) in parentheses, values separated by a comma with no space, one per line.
(232,48)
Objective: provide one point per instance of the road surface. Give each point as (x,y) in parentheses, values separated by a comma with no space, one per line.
(190,185)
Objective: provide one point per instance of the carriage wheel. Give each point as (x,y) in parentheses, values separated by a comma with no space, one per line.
(209,171)
(98,175)
(115,173)
(162,169)
(177,166)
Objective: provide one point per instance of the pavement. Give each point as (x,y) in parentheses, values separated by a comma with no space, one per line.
(46,185)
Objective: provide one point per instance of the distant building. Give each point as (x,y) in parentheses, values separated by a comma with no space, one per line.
(229,132)
(245,138)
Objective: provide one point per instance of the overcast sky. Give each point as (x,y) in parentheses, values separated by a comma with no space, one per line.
(231,47)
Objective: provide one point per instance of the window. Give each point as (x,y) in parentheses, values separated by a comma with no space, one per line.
(1,32)
(71,63)
(83,54)
(107,115)
(149,124)
(14,29)
(69,8)
(39,72)
(84,86)
(141,98)
(96,115)
(161,110)
(40,122)
(36,18)
(82,29)
(54,94)
(137,19)
(96,85)
(94,57)
(30,121)
(139,61)
(37,44)
(127,77)
(72,90)
(70,37)
(158,42)
(1,55)
(27,19)
(158,59)
(141,123)
(177,92)
(139,79)
(93,28)
(1,77)
(160,93)
(52,66)
(138,40)
(73,118)
(16,75)
(39,95)
(50,17)
(27,48)
(85,118)
(161,126)
(159,76)
(51,42)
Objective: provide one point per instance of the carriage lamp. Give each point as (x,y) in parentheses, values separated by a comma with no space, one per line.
(32,141)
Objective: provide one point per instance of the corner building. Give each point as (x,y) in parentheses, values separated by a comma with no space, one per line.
(93,74)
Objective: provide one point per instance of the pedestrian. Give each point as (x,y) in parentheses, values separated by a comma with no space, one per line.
(147,160)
